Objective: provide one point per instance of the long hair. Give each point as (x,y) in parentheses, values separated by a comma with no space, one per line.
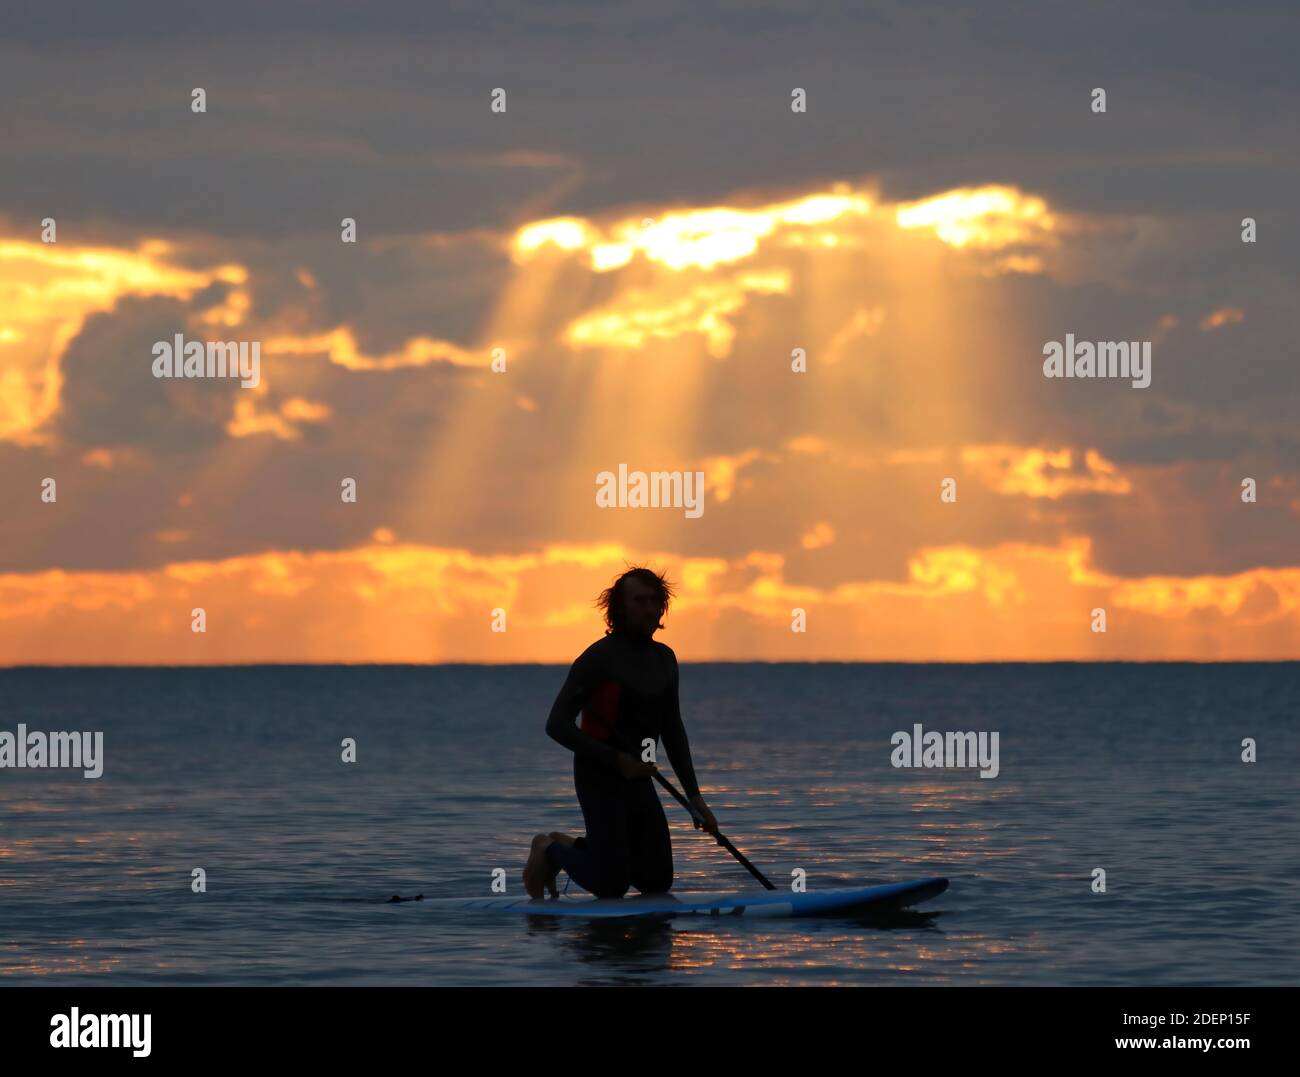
(612,602)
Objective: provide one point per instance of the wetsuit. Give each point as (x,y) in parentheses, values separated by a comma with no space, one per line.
(625,686)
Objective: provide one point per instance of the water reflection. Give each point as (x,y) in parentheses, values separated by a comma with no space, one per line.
(641,950)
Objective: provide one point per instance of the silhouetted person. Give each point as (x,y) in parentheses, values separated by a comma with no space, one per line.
(625,686)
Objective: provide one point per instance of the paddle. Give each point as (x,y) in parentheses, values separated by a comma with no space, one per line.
(719,836)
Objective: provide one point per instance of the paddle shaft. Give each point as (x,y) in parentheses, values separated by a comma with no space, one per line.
(744,860)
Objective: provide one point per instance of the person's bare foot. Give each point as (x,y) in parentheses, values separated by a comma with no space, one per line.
(563,839)
(538,868)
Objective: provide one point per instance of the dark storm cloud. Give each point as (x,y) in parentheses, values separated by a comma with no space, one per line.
(110,397)
(322,110)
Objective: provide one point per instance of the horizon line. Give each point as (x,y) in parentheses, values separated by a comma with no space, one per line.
(701,662)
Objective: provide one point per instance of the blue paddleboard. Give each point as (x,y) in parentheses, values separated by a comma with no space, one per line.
(755,903)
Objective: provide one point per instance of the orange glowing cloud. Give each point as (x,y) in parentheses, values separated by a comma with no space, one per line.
(340,346)
(865,322)
(983,217)
(720,472)
(702,238)
(685,272)
(101,458)
(687,244)
(1034,472)
(1250,598)
(1219,318)
(819,535)
(639,317)
(248,420)
(404,603)
(47,290)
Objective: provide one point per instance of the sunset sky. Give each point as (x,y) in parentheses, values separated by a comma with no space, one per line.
(646,235)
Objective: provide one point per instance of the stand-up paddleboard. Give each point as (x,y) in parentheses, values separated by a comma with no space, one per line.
(757,903)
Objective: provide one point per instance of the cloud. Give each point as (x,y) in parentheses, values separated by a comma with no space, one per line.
(340,346)
(656,330)
(388,602)
(1049,473)
(111,399)
(1219,318)
(47,293)
(248,420)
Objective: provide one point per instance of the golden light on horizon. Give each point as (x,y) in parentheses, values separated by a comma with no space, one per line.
(402,602)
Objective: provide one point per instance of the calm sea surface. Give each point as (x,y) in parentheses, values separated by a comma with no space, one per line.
(1132,768)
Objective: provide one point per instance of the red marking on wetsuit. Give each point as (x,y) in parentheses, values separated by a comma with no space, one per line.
(600,715)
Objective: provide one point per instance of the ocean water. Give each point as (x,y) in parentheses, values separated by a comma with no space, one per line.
(1132,768)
